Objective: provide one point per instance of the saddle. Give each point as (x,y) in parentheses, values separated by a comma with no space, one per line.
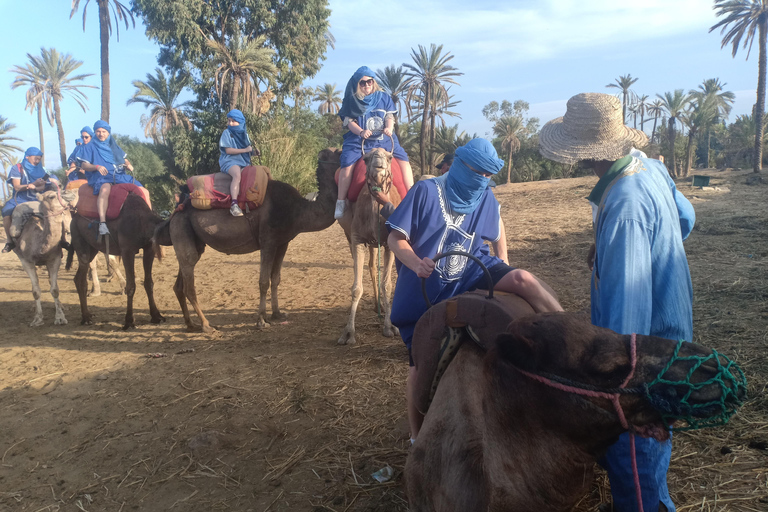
(441,330)
(86,202)
(211,191)
(358,179)
(75,184)
(21,214)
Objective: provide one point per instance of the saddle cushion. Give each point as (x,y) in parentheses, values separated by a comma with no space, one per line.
(211,191)
(487,318)
(86,202)
(358,179)
(21,214)
(75,184)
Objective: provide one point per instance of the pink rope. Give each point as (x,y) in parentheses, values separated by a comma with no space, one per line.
(614,398)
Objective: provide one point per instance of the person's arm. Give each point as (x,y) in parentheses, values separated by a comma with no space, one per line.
(422,267)
(500,245)
(236,151)
(88,166)
(389,124)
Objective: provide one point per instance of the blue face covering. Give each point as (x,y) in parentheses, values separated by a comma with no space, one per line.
(352,106)
(108,150)
(239,132)
(34,172)
(464,187)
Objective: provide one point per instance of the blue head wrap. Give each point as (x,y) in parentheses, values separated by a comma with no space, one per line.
(239,133)
(352,106)
(108,150)
(73,156)
(87,129)
(464,187)
(34,172)
(78,141)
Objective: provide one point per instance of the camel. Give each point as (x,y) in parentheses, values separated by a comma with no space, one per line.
(268,228)
(113,272)
(39,243)
(363,227)
(495,438)
(131,231)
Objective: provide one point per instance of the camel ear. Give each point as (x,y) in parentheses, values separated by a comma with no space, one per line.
(39,196)
(517,349)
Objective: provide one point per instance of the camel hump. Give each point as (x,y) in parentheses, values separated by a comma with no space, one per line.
(211,191)
(440,332)
(358,179)
(86,203)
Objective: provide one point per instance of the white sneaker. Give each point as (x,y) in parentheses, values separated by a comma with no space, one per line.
(341,206)
(103,229)
(235,210)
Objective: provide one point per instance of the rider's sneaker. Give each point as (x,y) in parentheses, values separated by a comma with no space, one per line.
(341,206)
(9,247)
(103,229)
(235,210)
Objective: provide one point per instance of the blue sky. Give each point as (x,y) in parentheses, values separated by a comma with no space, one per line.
(541,51)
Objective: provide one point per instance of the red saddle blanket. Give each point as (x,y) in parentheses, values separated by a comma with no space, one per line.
(86,202)
(358,179)
(209,191)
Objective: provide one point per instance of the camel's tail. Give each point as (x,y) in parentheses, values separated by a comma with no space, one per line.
(161,237)
(70,254)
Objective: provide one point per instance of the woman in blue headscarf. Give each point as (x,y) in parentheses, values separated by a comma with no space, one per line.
(105,164)
(28,179)
(456,211)
(369,114)
(235,149)
(86,134)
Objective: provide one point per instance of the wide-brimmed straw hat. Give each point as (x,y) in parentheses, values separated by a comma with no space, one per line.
(592,129)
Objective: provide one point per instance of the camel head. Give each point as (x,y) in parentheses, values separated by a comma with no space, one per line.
(378,164)
(53,203)
(672,381)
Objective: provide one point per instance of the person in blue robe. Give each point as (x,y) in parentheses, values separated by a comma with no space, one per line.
(74,172)
(27,179)
(454,212)
(235,154)
(369,115)
(104,163)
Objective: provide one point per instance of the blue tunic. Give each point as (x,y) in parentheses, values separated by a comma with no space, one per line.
(19,173)
(641,284)
(88,153)
(429,225)
(226,161)
(351,150)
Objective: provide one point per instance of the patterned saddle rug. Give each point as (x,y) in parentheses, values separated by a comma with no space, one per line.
(211,191)
(358,179)
(86,202)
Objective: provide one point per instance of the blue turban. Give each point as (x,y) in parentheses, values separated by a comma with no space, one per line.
(239,133)
(352,106)
(75,152)
(87,129)
(78,141)
(465,187)
(34,172)
(108,149)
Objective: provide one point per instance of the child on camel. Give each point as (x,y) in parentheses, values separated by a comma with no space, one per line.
(235,148)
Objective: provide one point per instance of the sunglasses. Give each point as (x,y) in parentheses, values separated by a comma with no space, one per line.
(366,82)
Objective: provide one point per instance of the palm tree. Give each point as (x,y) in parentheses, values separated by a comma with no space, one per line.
(702,113)
(121,12)
(656,109)
(624,83)
(430,71)
(674,104)
(395,82)
(329,98)
(642,109)
(712,90)
(55,69)
(241,64)
(746,18)
(28,76)
(6,148)
(508,129)
(161,94)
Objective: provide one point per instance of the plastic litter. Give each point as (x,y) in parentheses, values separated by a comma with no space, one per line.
(383,475)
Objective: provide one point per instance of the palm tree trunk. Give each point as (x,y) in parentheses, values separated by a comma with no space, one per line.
(104,37)
(235,92)
(653,133)
(40,127)
(423,134)
(431,138)
(509,167)
(689,153)
(672,136)
(709,141)
(624,107)
(760,107)
(60,129)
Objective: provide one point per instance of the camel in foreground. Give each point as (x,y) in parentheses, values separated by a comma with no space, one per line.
(130,232)
(496,439)
(268,228)
(40,244)
(365,227)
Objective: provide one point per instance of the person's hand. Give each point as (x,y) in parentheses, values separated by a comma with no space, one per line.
(129,165)
(256,152)
(248,150)
(39,183)
(591,257)
(425,268)
(366,133)
(381,197)
(102,170)
(388,131)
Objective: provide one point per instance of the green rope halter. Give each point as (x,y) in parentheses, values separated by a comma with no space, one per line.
(729,379)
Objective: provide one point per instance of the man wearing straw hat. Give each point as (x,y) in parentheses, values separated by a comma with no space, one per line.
(640,279)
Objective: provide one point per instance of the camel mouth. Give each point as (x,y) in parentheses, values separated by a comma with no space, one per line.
(656,431)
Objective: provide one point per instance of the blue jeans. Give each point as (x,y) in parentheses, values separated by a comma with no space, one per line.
(652,465)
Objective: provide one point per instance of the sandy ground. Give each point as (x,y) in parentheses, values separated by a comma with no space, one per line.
(285,419)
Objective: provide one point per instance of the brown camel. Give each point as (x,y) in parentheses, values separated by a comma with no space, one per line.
(495,439)
(131,231)
(40,244)
(268,228)
(364,227)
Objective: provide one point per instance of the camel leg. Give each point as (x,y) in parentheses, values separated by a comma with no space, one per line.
(358,260)
(265,275)
(95,290)
(53,277)
(188,279)
(31,271)
(373,261)
(149,285)
(178,289)
(277,265)
(130,287)
(85,255)
(389,330)
(115,268)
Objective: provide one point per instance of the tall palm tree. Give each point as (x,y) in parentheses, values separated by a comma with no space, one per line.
(54,70)
(329,98)
(508,129)
(656,109)
(711,90)
(642,109)
(121,12)
(747,18)
(395,82)
(6,148)
(242,63)
(674,104)
(430,71)
(627,96)
(160,94)
(702,114)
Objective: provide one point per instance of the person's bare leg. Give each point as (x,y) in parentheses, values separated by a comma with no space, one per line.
(528,286)
(405,167)
(345,180)
(103,201)
(234,189)
(7,226)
